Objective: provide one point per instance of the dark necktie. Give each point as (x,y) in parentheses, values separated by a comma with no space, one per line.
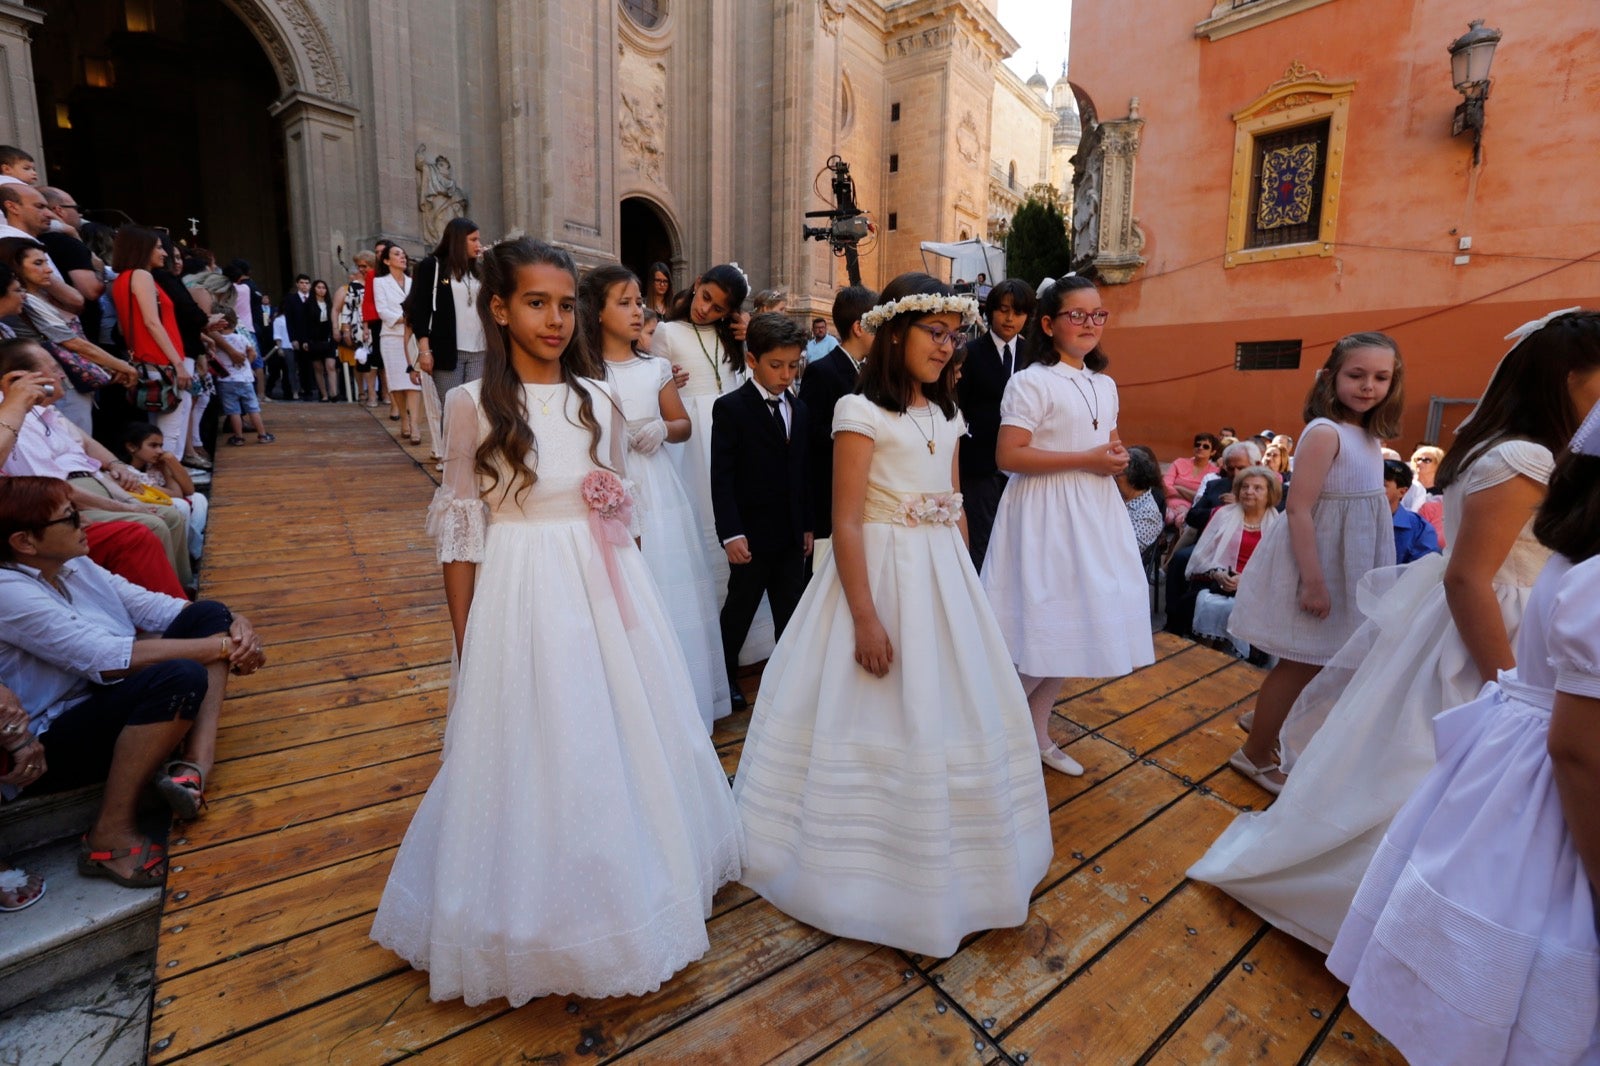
(777,416)
(1005,357)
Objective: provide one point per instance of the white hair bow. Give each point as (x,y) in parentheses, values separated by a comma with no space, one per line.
(1537,324)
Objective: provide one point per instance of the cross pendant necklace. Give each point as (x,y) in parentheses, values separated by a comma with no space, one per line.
(1094,412)
(928,437)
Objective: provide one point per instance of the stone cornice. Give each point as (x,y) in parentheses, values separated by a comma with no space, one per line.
(907,14)
(21,12)
(1227,19)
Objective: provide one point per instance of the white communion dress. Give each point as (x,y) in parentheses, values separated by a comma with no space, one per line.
(1360,737)
(1063,571)
(580,823)
(1472,938)
(698,350)
(670,537)
(910,809)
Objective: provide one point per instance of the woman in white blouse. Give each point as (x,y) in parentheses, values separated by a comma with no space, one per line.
(390,286)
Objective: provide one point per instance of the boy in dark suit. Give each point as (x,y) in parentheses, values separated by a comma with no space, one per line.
(759,490)
(991,360)
(827,379)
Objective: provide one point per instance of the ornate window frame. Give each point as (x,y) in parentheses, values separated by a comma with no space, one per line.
(1300,97)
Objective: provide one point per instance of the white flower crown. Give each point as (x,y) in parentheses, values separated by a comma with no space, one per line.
(922,303)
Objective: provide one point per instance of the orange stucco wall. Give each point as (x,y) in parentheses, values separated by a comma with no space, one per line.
(1409,191)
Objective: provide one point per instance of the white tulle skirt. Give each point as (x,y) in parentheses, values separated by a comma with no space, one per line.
(906,810)
(670,538)
(580,823)
(1370,710)
(1472,938)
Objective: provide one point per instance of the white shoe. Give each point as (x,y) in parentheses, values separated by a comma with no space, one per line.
(1060,761)
(1261,775)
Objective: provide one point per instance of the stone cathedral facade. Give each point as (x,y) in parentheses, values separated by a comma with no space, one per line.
(689,131)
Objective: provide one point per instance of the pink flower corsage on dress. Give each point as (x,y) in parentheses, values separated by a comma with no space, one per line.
(610,512)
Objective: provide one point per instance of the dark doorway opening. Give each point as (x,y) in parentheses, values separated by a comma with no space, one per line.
(645,238)
(157,113)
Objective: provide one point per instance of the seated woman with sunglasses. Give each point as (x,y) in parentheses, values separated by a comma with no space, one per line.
(115,678)
(1185,475)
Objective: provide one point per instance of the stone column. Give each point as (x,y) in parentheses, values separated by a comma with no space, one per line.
(320,158)
(19,105)
(393,120)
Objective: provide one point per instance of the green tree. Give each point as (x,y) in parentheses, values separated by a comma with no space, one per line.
(1037,245)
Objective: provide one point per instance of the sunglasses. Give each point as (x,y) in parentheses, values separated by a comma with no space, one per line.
(72,516)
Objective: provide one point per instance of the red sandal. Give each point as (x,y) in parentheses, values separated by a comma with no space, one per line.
(93,863)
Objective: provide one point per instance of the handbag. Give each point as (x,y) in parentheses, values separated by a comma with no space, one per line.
(156,390)
(84,375)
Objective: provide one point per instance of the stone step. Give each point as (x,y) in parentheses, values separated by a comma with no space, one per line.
(81,925)
(29,821)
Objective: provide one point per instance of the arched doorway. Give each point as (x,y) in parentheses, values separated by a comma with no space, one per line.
(646,238)
(159,114)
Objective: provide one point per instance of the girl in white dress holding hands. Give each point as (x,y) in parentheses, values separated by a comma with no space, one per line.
(1063,571)
(612,313)
(580,822)
(890,787)
(1472,937)
(1298,599)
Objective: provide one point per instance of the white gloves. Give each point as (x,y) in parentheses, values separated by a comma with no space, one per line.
(648,438)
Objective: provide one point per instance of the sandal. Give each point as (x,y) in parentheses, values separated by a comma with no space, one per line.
(1259,774)
(415,438)
(14,883)
(265,438)
(182,785)
(235,441)
(93,863)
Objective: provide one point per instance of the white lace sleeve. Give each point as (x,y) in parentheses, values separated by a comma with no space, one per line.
(458,518)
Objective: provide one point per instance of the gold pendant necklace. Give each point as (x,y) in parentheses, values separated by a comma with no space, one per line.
(544,401)
(933,428)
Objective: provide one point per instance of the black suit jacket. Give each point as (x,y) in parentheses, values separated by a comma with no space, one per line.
(431,312)
(826,380)
(759,483)
(298,315)
(982,384)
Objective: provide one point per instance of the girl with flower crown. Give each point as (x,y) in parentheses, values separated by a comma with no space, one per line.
(895,795)
(580,822)
(703,339)
(1360,736)
(1063,571)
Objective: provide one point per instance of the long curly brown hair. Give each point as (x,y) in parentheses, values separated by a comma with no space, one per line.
(510,443)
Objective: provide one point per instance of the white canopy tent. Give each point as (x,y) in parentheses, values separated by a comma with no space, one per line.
(968,259)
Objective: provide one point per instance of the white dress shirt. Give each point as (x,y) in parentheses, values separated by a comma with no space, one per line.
(1000,347)
(48,445)
(53,646)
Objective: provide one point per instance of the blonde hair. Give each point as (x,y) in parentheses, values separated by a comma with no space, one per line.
(1274,482)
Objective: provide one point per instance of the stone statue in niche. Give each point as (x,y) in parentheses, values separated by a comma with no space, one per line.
(439,198)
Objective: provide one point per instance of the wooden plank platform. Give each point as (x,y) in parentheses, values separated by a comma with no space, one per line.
(324,755)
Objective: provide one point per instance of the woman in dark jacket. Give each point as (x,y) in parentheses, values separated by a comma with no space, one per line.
(442,313)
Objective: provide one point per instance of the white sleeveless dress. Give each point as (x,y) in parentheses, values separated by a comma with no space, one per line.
(580,822)
(670,537)
(1355,534)
(699,351)
(910,809)
(1472,938)
(1063,572)
(1297,864)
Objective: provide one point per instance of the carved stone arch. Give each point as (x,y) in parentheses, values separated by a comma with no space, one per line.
(298,43)
(662,214)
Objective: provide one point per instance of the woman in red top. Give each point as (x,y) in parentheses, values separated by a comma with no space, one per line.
(149,323)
